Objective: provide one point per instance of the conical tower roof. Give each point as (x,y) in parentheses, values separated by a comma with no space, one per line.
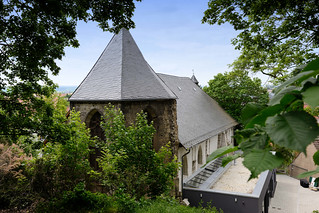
(122,74)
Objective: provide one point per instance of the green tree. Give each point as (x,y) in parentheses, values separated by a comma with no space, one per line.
(57,165)
(234,90)
(282,124)
(61,165)
(275,36)
(33,35)
(129,164)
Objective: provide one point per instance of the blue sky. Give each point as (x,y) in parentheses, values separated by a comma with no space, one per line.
(169,34)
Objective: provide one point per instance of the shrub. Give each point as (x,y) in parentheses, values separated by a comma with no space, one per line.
(62,164)
(57,166)
(11,158)
(170,205)
(129,164)
(14,189)
(79,200)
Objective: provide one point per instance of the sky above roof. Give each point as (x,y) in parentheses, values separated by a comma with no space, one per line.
(170,36)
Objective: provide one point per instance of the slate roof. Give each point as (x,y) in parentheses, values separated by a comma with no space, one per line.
(121,74)
(199,117)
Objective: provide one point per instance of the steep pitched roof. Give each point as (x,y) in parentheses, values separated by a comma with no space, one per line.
(120,74)
(199,117)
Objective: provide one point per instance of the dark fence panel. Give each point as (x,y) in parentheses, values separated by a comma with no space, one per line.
(257,202)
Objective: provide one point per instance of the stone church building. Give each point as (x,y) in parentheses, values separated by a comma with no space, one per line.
(181,112)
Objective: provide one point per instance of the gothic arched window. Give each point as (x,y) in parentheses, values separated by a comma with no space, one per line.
(95,126)
(200,155)
(94,123)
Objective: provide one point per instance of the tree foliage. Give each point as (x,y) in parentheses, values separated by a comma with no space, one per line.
(129,163)
(33,35)
(282,124)
(275,36)
(57,165)
(234,90)
(60,165)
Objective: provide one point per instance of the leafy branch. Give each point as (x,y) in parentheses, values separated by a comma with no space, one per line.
(282,123)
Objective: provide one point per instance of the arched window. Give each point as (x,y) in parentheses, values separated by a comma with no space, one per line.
(95,126)
(193,166)
(94,123)
(152,117)
(200,155)
(185,166)
(221,140)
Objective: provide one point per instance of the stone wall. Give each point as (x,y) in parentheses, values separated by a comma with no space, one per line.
(162,113)
(164,117)
(304,163)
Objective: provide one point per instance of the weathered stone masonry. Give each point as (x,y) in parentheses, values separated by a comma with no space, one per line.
(162,113)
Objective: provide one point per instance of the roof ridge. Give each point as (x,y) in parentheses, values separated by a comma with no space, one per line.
(173,75)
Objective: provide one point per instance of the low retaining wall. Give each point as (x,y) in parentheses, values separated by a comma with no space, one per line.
(230,202)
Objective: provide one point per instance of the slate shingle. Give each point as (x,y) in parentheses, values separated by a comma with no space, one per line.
(121,74)
(199,117)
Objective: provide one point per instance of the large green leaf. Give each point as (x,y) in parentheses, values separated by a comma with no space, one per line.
(297,80)
(255,141)
(258,161)
(289,98)
(311,96)
(230,158)
(309,173)
(300,77)
(313,65)
(242,135)
(249,111)
(293,130)
(279,96)
(220,152)
(306,77)
(261,118)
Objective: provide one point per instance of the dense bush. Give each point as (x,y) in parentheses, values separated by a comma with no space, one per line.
(63,164)
(170,205)
(58,164)
(129,164)
(55,178)
(14,190)
(80,200)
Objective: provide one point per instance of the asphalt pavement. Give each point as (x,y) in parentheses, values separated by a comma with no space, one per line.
(290,197)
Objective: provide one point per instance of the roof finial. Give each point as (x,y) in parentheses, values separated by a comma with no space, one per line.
(193,78)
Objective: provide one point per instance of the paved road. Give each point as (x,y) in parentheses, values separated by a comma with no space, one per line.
(290,197)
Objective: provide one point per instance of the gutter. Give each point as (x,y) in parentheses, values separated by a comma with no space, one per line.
(182,184)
